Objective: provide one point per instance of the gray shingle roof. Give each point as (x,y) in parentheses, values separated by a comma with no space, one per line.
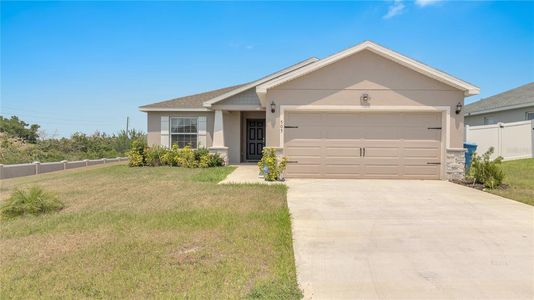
(520,96)
(192,101)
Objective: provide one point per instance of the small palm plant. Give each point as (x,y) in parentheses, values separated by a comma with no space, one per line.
(34,201)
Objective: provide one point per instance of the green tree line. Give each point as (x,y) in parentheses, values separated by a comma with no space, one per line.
(20,143)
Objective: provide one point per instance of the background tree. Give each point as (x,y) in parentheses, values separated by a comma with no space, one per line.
(17,128)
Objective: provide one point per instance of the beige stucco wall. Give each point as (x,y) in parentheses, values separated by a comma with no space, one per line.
(154,124)
(232,127)
(506,116)
(386,82)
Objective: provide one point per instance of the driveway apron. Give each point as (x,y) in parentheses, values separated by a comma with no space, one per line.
(409,239)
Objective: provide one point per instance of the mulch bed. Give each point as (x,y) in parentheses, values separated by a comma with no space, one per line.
(472,184)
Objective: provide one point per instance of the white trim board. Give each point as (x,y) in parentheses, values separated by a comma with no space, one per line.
(174,109)
(444,110)
(468,89)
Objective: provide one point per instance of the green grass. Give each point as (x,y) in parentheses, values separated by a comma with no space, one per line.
(149,233)
(519,176)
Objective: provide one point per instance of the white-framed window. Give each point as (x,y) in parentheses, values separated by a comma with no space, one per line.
(529,115)
(184,131)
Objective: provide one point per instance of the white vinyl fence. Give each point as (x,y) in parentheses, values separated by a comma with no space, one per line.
(510,140)
(19,170)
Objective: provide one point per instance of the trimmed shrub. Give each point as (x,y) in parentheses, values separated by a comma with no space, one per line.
(211,160)
(140,155)
(270,167)
(200,152)
(34,201)
(136,155)
(186,158)
(154,156)
(169,157)
(486,171)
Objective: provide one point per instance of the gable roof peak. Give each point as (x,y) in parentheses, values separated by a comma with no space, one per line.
(417,66)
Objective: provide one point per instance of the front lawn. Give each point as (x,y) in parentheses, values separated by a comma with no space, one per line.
(149,233)
(519,175)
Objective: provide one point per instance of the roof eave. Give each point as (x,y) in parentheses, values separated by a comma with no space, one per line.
(290,69)
(497,109)
(150,109)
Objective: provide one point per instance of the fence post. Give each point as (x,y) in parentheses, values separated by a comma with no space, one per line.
(104,159)
(499,139)
(1,171)
(64,164)
(37,164)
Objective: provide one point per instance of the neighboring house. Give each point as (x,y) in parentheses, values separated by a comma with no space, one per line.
(511,106)
(365,112)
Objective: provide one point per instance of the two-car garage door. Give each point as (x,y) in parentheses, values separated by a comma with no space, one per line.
(363,145)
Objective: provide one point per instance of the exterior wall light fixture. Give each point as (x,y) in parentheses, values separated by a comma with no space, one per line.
(459,108)
(273,107)
(365,98)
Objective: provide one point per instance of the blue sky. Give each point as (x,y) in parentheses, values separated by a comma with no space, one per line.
(86,66)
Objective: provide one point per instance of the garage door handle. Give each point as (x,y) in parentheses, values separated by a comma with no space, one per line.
(363,152)
(439,128)
(360,151)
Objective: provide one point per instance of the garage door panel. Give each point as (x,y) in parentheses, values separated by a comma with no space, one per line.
(312,133)
(337,143)
(389,170)
(371,152)
(423,153)
(342,161)
(303,151)
(343,133)
(342,151)
(381,134)
(306,160)
(421,144)
(397,145)
(418,135)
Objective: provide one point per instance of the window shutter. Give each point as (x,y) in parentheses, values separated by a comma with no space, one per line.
(201,135)
(165,140)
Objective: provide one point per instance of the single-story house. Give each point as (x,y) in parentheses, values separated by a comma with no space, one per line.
(511,106)
(364,112)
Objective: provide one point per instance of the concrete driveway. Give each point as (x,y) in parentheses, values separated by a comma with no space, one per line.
(385,239)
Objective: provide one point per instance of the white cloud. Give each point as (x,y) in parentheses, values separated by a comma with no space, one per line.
(396,8)
(424,3)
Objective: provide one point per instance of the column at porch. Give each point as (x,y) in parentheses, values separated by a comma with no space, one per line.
(218,145)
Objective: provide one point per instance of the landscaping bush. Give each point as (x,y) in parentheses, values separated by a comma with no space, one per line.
(136,155)
(140,155)
(34,201)
(270,167)
(154,156)
(186,158)
(169,157)
(486,171)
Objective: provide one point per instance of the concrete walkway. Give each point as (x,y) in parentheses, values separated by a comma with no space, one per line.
(246,173)
(385,239)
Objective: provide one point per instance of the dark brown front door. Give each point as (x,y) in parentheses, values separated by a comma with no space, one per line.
(255,138)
